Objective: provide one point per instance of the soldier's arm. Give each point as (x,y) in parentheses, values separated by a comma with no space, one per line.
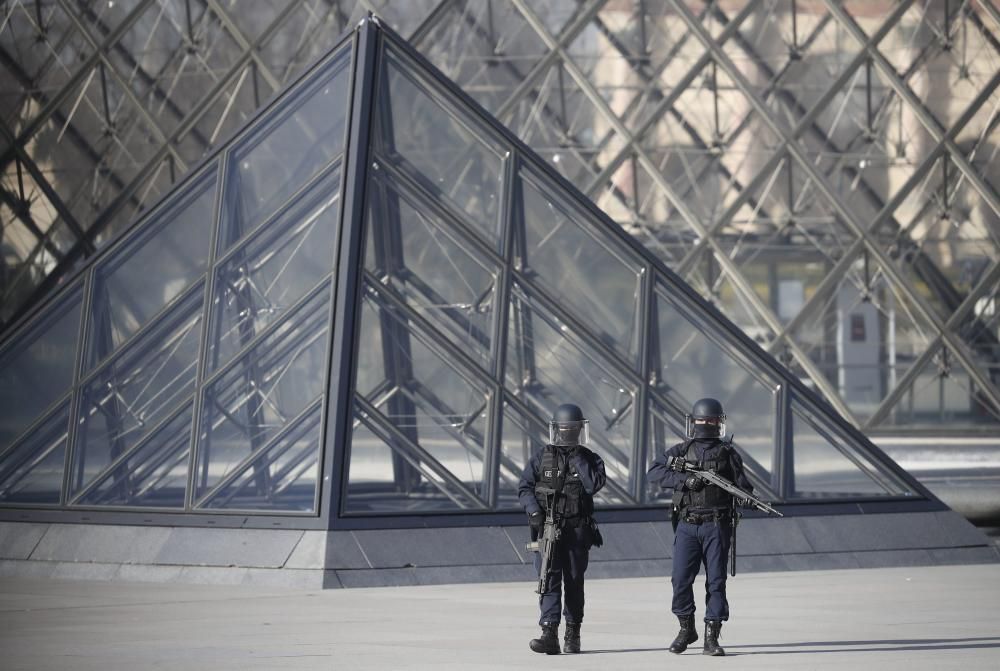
(526,487)
(660,474)
(591,470)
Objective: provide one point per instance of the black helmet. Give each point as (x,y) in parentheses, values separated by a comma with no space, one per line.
(568,426)
(705,411)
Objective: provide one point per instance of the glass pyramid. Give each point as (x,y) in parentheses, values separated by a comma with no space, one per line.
(367,303)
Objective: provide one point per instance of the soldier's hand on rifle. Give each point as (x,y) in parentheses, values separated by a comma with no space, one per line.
(536,520)
(694,483)
(676,464)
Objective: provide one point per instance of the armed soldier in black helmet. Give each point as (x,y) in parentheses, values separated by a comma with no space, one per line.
(702,520)
(562,479)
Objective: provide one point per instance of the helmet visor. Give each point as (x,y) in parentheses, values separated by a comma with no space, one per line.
(690,422)
(569,434)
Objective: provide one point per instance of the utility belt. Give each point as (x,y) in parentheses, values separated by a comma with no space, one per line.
(701,517)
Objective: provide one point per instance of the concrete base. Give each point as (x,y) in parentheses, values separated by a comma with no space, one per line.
(369,558)
(888,619)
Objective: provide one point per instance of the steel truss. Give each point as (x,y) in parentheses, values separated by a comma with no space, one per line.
(127,95)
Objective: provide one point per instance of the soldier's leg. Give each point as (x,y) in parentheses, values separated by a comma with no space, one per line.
(549,605)
(577,558)
(687,558)
(550,602)
(715,541)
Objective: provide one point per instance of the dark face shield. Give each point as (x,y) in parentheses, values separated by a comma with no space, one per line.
(569,434)
(690,423)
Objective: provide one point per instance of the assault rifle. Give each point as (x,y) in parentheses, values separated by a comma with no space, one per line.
(680,465)
(546,543)
(711,478)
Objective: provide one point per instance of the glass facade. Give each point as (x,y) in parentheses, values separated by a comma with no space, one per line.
(823,172)
(202,362)
(187,367)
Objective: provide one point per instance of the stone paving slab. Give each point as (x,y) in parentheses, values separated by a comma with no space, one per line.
(885,618)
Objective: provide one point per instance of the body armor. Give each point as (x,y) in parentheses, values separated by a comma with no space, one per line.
(573,505)
(709,497)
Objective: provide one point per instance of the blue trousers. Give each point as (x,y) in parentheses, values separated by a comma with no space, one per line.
(695,544)
(568,566)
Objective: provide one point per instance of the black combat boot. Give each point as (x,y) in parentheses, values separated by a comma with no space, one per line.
(686,636)
(548,642)
(571,639)
(712,630)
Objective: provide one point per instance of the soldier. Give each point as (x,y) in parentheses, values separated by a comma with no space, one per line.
(702,520)
(566,466)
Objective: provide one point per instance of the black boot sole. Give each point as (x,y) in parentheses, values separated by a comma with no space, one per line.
(684,647)
(717,653)
(541,649)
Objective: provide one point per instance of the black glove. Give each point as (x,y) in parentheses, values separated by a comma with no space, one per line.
(694,483)
(676,464)
(536,520)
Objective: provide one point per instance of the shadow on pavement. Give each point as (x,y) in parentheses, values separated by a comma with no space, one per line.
(607,652)
(885,646)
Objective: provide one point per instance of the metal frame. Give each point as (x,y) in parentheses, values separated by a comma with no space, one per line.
(104,38)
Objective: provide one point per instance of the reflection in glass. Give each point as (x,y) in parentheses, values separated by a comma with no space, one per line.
(547,367)
(32,470)
(431,414)
(291,145)
(152,269)
(390,472)
(278,265)
(827,466)
(36,369)
(693,366)
(249,403)
(439,149)
(573,264)
(152,473)
(665,431)
(414,252)
(281,476)
(522,436)
(133,392)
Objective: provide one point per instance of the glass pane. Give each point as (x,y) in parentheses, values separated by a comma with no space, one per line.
(826,465)
(547,366)
(37,368)
(151,474)
(439,409)
(281,476)
(389,473)
(944,392)
(691,366)
(152,269)
(262,391)
(561,255)
(136,390)
(291,145)
(32,471)
(274,269)
(416,254)
(440,149)
(522,436)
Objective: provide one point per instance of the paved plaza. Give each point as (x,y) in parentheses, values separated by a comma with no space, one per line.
(899,618)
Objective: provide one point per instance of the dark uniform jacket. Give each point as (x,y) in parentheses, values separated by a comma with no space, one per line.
(710,453)
(578,470)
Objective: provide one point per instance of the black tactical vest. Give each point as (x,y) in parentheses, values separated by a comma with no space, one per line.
(710,496)
(572,503)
